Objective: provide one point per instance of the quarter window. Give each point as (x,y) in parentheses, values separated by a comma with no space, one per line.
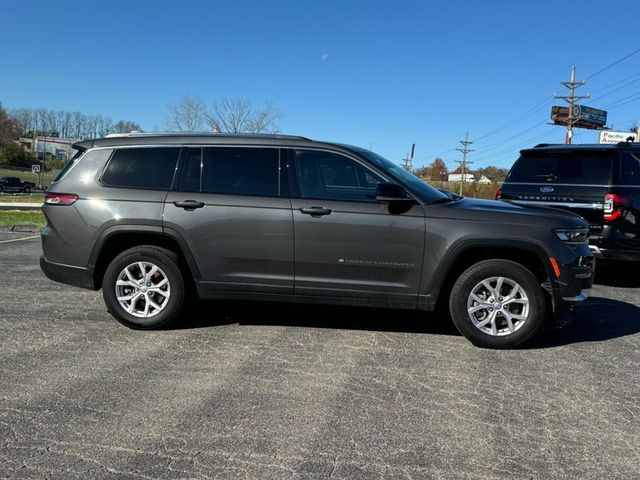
(629,169)
(151,168)
(325,175)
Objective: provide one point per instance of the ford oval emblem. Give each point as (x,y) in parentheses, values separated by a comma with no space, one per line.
(546,189)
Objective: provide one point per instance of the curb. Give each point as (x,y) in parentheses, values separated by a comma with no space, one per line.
(20,228)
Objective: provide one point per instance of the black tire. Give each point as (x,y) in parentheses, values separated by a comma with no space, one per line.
(502,337)
(168,263)
(27,189)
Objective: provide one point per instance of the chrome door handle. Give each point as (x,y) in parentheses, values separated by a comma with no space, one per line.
(316,211)
(189,204)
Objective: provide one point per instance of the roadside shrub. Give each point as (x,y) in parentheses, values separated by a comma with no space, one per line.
(54,165)
(13,155)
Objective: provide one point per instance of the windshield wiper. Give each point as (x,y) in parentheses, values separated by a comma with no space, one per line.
(444,200)
(551,177)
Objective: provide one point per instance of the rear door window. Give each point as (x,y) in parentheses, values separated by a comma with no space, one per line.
(231,171)
(145,167)
(589,168)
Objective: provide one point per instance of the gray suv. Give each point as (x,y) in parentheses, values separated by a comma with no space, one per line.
(151,219)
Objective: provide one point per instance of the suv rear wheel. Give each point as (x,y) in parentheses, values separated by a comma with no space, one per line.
(497,304)
(143,287)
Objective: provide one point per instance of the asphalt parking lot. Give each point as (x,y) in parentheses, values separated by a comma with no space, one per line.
(292,392)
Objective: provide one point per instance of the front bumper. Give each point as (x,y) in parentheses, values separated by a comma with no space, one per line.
(71,275)
(568,288)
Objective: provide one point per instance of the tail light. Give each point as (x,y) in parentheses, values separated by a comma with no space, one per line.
(60,198)
(499,194)
(615,206)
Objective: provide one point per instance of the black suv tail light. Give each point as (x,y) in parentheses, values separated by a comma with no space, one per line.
(60,198)
(615,206)
(499,194)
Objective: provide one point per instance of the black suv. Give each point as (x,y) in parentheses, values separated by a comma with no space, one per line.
(599,182)
(152,218)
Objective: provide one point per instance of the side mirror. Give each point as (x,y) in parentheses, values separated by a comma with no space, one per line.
(391,193)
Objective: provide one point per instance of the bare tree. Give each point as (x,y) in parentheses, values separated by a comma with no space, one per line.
(264,121)
(23,118)
(105,125)
(78,125)
(41,121)
(67,121)
(126,126)
(188,115)
(236,115)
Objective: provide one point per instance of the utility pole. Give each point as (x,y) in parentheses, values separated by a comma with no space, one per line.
(464,162)
(571,100)
(407,162)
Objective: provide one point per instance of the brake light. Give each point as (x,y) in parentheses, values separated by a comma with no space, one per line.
(615,206)
(60,198)
(499,194)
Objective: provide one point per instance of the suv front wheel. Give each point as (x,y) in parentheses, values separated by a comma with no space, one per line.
(497,304)
(143,287)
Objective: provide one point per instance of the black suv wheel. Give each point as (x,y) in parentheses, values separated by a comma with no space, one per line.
(497,304)
(143,287)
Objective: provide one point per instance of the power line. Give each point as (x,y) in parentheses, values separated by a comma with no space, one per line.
(515,146)
(625,100)
(616,90)
(616,83)
(517,119)
(541,104)
(613,64)
(500,143)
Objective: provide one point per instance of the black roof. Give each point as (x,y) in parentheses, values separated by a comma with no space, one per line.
(580,147)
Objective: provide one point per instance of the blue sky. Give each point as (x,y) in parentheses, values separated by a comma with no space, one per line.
(386,74)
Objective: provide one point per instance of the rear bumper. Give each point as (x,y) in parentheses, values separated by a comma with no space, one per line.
(614,244)
(615,254)
(71,275)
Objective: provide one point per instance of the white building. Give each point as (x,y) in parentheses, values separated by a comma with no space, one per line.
(462,177)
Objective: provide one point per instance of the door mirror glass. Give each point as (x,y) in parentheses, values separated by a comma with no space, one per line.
(391,192)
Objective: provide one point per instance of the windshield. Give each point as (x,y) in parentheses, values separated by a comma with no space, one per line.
(425,191)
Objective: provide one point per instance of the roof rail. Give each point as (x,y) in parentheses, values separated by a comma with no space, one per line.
(540,145)
(136,133)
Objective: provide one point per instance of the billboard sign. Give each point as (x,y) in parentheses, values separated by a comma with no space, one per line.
(608,136)
(584,117)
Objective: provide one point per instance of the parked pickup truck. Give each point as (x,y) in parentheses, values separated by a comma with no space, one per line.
(15,185)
